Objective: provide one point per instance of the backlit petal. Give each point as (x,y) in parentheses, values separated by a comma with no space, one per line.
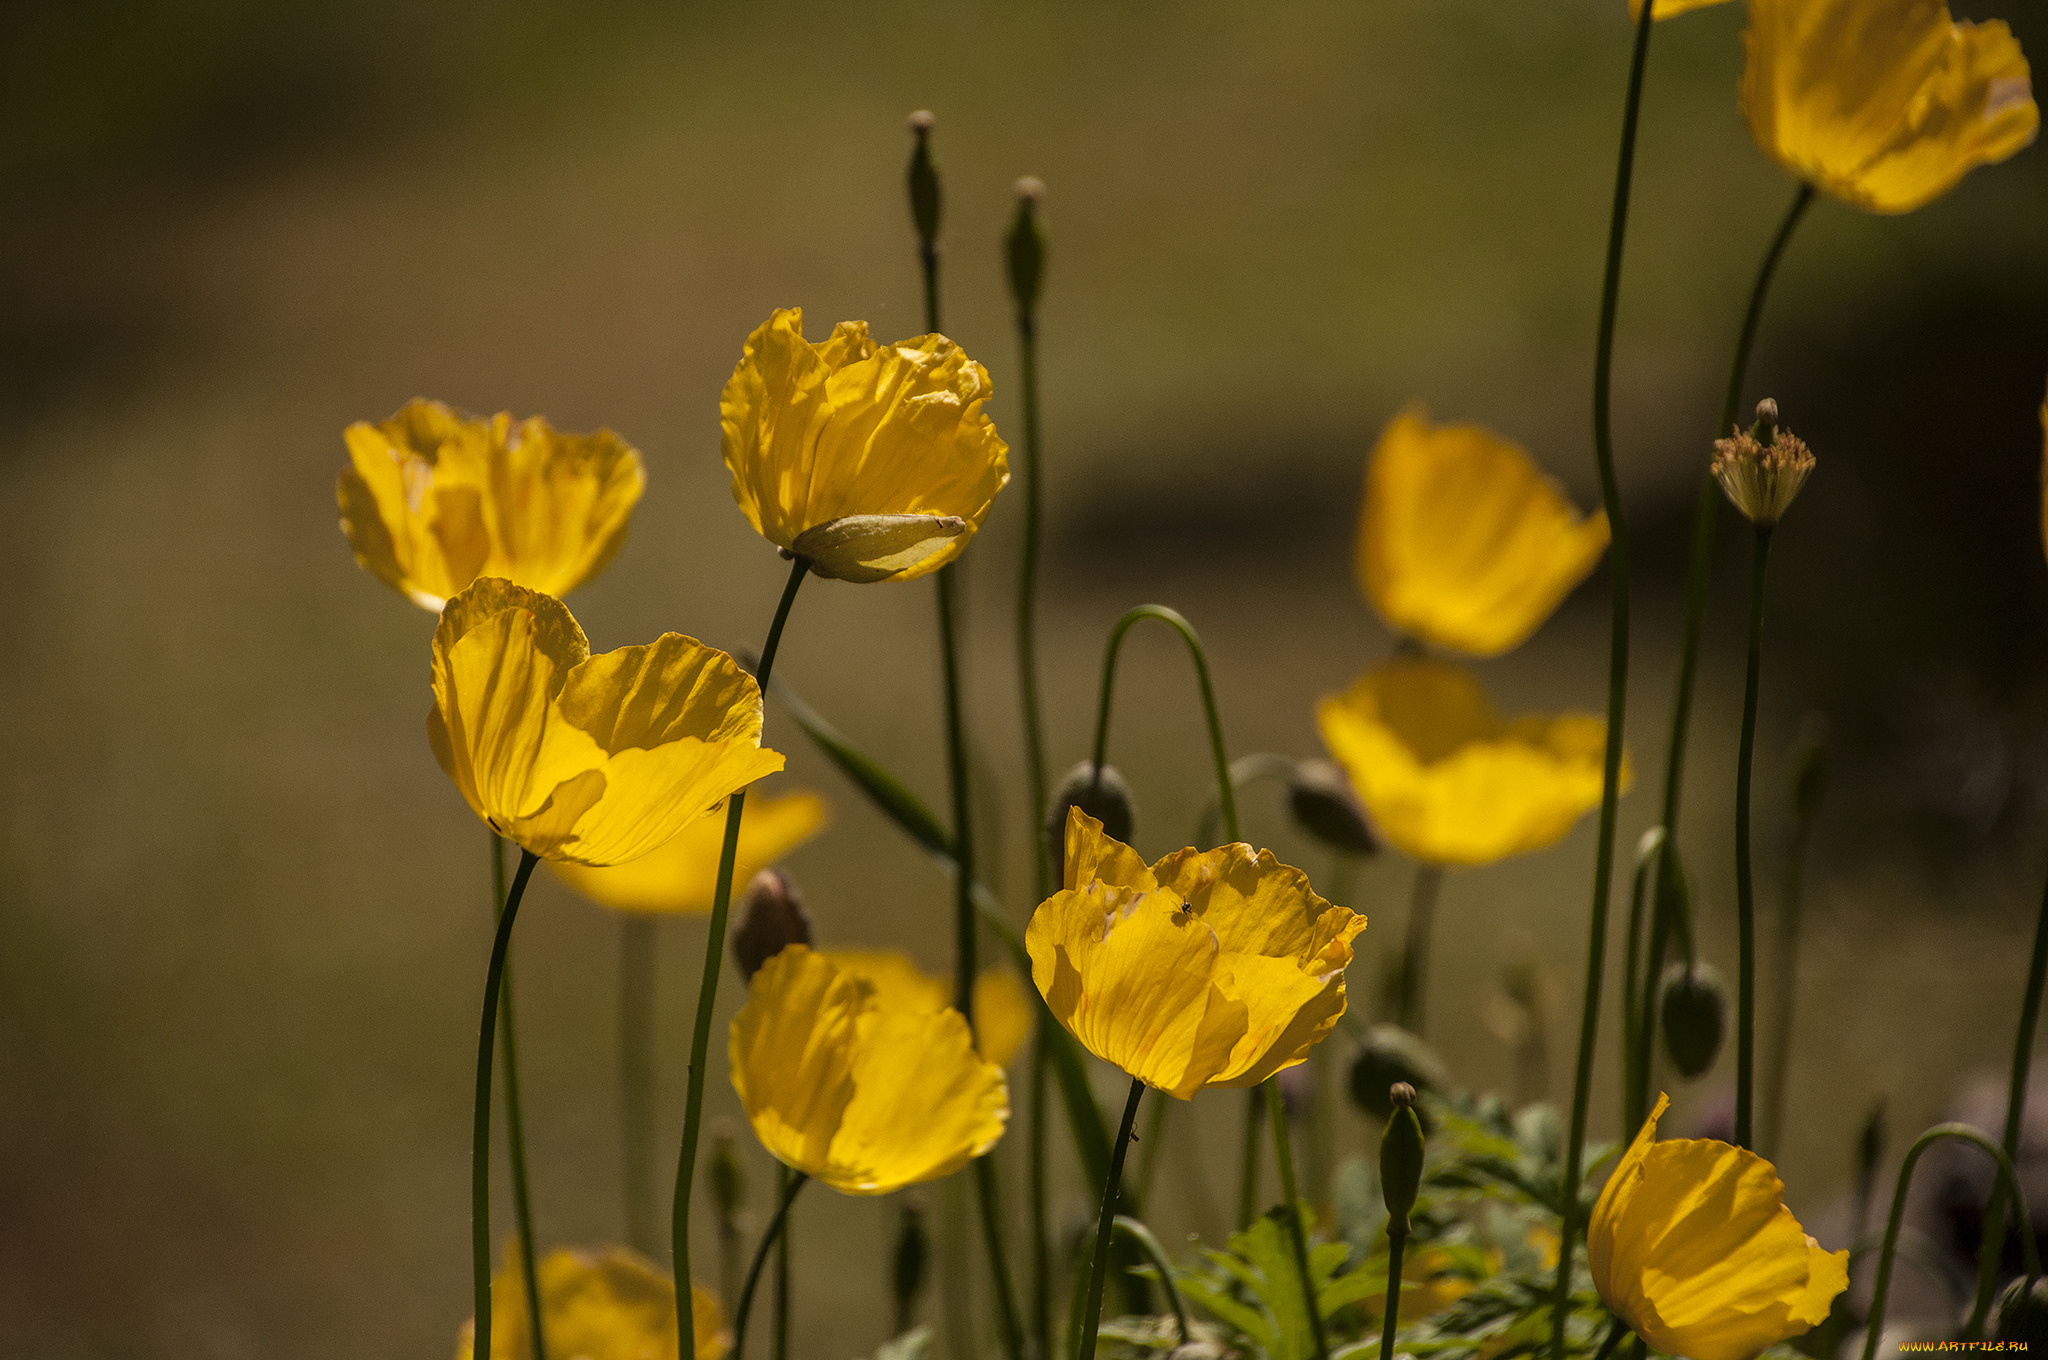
(792,1053)
(681,874)
(1669,8)
(602,1304)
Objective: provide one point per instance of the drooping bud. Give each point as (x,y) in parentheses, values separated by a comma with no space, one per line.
(1392,1055)
(1400,1157)
(1694,1007)
(1024,248)
(772,917)
(1323,803)
(1762,469)
(924,178)
(1103,796)
(907,1267)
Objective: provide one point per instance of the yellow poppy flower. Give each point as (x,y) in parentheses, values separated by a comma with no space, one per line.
(1883,103)
(1211,968)
(600,1305)
(1462,541)
(592,759)
(1667,9)
(846,1082)
(431,501)
(1692,1246)
(1002,1011)
(873,461)
(1446,778)
(681,875)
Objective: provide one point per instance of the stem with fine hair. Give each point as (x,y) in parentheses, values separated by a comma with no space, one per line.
(1397,1242)
(636,1075)
(1617,675)
(1217,750)
(1091,1316)
(2007,1183)
(1429,881)
(1297,1232)
(1745,880)
(1707,506)
(515,1123)
(707,993)
(797,1181)
(1993,1245)
(480,1129)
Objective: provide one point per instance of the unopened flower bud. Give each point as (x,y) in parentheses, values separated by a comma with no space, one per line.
(1400,1157)
(1324,804)
(1024,247)
(924,178)
(1392,1056)
(772,917)
(728,1178)
(907,1268)
(2023,1314)
(1103,796)
(1694,1007)
(1763,469)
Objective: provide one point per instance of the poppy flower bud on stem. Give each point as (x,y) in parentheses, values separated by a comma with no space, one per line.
(1099,792)
(1401,1158)
(1323,803)
(1024,250)
(772,917)
(924,179)
(1694,1007)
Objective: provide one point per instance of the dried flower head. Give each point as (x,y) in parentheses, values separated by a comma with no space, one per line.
(1763,468)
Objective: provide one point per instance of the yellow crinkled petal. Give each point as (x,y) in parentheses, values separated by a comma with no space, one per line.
(1692,1245)
(1885,104)
(1003,1016)
(603,1304)
(867,1089)
(1666,9)
(1002,1011)
(1095,856)
(875,458)
(1446,779)
(431,501)
(792,1053)
(680,876)
(1462,541)
(1132,976)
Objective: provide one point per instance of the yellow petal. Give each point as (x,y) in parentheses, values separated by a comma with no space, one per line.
(1462,541)
(866,455)
(1667,9)
(431,501)
(600,1304)
(1446,779)
(1885,104)
(1692,1245)
(1004,1016)
(846,1082)
(681,874)
(897,982)
(1095,856)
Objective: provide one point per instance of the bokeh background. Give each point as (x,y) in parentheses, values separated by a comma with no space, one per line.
(245,916)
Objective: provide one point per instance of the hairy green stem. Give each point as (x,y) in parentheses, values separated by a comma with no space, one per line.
(1297,1231)
(636,1075)
(1397,1242)
(1091,1317)
(1745,878)
(707,993)
(797,1181)
(480,1130)
(2007,1182)
(1617,677)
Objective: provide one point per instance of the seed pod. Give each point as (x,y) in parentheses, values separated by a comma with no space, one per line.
(1106,798)
(1391,1055)
(1694,1008)
(1324,804)
(772,917)
(1400,1157)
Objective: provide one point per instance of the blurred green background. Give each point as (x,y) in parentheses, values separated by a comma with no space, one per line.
(245,916)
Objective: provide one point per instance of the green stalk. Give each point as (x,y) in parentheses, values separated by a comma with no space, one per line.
(1993,1245)
(780,1347)
(480,1131)
(1617,676)
(2007,1183)
(1745,882)
(1668,901)
(1041,1191)
(1639,976)
(797,1181)
(1708,504)
(1173,619)
(515,1123)
(1091,1317)
(1297,1232)
(1429,881)
(1147,1243)
(1150,1144)
(1026,251)
(1248,1177)
(707,994)
(636,1075)
(1397,1242)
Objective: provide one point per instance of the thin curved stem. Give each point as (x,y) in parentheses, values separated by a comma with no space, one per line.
(1027,597)
(1707,506)
(480,1130)
(1297,1232)
(515,1152)
(1091,1316)
(1993,1245)
(797,1181)
(1147,1243)
(707,993)
(1639,977)
(1429,882)
(1745,876)
(1617,673)
(780,1339)
(1173,619)
(2007,1181)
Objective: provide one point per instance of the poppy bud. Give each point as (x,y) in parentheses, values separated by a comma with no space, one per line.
(1392,1055)
(1694,1006)
(924,178)
(1024,247)
(907,1269)
(1324,805)
(1105,797)
(1400,1157)
(772,917)
(2023,1314)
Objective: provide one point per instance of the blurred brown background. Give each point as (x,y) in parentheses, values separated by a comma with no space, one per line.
(245,916)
